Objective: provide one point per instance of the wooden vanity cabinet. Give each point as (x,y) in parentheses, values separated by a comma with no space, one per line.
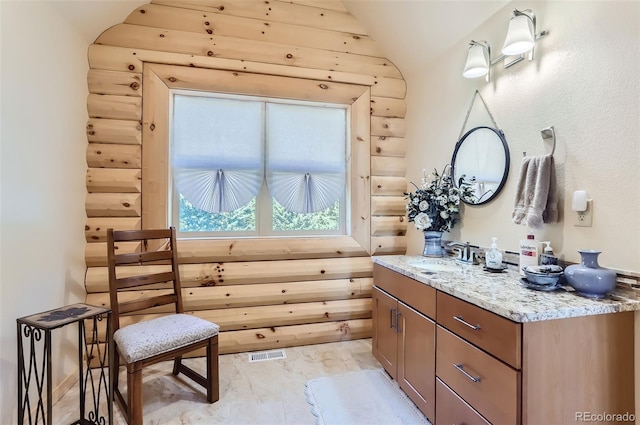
(532,373)
(404,335)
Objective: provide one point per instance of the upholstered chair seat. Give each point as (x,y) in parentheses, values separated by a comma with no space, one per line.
(157,336)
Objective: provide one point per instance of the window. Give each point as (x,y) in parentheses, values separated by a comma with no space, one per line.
(249,166)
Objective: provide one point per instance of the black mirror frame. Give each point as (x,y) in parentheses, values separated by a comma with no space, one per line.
(500,134)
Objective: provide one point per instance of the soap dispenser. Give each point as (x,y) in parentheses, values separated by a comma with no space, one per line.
(547,258)
(493,257)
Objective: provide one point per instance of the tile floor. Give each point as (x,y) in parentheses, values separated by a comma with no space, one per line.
(267,392)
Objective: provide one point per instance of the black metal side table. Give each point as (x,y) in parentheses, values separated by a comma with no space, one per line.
(35,370)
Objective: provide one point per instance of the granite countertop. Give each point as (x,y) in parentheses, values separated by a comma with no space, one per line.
(504,294)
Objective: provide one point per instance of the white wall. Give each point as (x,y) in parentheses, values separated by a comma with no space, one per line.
(584,81)
(44,89)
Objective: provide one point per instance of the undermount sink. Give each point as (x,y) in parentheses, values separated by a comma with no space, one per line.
(434,265)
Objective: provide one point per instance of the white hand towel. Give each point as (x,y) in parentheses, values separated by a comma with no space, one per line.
(536,194)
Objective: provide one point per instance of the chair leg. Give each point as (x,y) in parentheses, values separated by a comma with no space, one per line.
(134,393)
(176,365)
(114,372)
(213,379)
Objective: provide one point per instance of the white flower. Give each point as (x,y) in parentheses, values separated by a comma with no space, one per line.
(422,221)
(415,201)
(444,214)
(424,205)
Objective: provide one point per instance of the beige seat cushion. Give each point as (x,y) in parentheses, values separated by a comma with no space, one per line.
(156,336)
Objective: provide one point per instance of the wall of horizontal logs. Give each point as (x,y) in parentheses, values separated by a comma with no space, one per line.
(263,293)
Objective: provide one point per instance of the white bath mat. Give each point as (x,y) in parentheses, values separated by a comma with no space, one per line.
(367,397)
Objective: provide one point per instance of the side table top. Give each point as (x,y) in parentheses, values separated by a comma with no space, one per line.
(62,316)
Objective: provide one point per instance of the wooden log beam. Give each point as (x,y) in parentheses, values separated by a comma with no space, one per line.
(159,16)
(387,245)
(388,226)
(135,36)
(109,155)
(388,185)
(114,82)
(291,336)
(113,205)
(231,319)
(194,251)
(388,166)
(388,146)
(276,11)
(261,294)
(388,107)
(114,107)
(388,205)
(113,180)
(114,131)
(99,250)
(243,273)
(95,229)
(131,59)
(383,126)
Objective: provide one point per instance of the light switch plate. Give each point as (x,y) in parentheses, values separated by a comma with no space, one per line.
(585,218)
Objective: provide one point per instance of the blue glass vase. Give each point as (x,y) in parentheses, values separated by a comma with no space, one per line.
(588,278)
(432,244)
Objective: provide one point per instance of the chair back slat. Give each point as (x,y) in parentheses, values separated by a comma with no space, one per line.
(158,246)
(140,235)
(143,257)
(133,281)
(137,305)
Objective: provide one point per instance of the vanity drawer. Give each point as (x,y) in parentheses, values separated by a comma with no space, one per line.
(451,409)
(494,334)
(488,385)
(418,295)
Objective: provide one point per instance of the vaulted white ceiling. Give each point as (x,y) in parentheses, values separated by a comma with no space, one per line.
(412,33)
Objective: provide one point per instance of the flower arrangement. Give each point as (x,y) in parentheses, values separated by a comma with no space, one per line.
(435,204)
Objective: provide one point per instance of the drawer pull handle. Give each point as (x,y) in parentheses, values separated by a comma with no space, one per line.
(464,322)
(392,315)
(460,367)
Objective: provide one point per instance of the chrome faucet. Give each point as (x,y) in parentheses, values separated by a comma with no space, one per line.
(465,254)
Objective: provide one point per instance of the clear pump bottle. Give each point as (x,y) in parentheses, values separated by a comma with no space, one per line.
(493,257)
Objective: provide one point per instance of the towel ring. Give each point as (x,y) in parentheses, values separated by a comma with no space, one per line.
(547,133)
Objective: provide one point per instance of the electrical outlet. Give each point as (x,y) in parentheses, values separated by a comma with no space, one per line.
(585,218)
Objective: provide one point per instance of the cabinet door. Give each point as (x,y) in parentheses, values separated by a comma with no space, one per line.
(417,358)
(384,341)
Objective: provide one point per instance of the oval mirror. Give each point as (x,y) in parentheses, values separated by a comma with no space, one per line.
(481,157)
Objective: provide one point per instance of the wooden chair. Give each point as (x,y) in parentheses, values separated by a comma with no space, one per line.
(161,338)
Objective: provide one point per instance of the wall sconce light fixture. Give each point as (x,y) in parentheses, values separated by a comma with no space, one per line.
(521,38)
(521,35)
(478,60)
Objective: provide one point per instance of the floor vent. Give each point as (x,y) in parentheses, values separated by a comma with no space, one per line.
(267,355)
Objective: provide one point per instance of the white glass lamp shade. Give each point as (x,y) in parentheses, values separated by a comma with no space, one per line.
(477,62)
(520,36)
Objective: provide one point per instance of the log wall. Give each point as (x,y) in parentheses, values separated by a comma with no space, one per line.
(263,293)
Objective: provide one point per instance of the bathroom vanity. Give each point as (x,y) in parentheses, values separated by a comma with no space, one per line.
(469,346)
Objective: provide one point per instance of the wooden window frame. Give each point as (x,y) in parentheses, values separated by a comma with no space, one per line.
(159,79)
